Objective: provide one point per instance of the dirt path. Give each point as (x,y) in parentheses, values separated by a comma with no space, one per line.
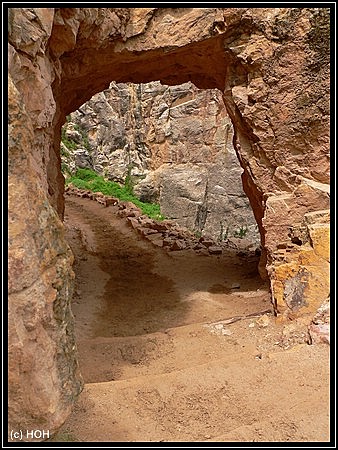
(176,346)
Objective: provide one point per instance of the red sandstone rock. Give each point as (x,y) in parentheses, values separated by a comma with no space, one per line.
(134,212)
(155,239)
(167,242)
(215,250)
(133,222)
(147,231)
(111,201)
(178,245)
(272,66)
(319,333)
(207,242)
(43,372)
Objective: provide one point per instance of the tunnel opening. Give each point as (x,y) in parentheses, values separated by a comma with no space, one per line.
(137,278)
(167,145)
(204,64)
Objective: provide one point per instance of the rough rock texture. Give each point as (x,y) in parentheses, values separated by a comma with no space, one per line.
(204,197)
(319,329)
(135,128)
(301,268)
(179,139)
(272,66)
(43,376)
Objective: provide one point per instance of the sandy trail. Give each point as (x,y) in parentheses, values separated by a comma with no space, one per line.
(161,358)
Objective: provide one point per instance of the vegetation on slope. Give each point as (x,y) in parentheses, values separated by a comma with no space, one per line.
(88,179)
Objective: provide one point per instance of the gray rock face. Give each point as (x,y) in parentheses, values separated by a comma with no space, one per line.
(176,143)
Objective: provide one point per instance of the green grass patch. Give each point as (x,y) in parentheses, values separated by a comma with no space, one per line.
(86,175)
(88,179)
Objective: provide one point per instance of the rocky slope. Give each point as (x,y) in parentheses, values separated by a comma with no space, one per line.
(176,144)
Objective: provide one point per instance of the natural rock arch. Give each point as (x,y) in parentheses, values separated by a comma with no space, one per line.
(271,64)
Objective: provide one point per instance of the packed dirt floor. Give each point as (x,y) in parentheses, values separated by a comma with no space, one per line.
(181,347)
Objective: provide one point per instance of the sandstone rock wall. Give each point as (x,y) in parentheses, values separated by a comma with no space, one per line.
(272,66)
(43,370)
(176,143)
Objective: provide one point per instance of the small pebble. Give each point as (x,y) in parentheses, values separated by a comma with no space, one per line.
(263,321)
(226,332)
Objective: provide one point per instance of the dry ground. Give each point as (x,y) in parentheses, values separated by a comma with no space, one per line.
(180,347)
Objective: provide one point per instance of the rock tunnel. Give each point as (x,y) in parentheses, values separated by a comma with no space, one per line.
(272,67)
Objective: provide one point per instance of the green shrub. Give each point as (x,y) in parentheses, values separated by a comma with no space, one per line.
(241,232)
(85,174)
(198,234)
(223,235)
(128,182)
(88,179)
(78,183)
